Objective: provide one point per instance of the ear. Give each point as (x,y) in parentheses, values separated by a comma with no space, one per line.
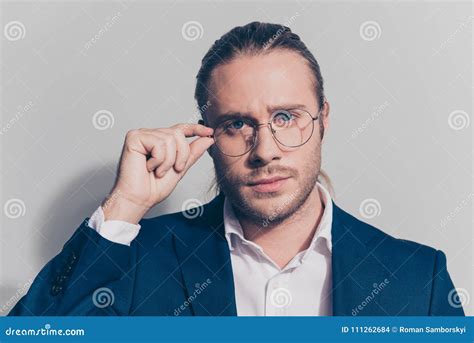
(325,116)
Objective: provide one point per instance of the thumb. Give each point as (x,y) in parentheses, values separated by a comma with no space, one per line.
(197,148)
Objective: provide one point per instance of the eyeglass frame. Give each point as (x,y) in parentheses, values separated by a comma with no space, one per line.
(272,131)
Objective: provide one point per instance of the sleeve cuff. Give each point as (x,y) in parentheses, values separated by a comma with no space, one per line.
(116,231)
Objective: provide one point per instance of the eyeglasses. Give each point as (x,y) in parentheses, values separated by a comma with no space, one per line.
(291,128)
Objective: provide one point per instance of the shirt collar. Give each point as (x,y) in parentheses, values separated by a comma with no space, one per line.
(234,229)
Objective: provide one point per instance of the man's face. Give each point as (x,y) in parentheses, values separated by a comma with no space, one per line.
(254,86)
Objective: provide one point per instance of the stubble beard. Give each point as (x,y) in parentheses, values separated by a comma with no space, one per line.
(269,209)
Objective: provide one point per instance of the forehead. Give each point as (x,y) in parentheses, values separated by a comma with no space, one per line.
(252,83)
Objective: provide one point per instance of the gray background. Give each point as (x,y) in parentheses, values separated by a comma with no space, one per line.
(400,131)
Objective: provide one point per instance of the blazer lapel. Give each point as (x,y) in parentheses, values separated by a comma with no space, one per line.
(204,257)
(355,270)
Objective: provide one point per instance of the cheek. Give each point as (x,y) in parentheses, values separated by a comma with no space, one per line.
(229,167)
(305,156)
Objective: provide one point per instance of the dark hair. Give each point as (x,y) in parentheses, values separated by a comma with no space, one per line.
(253,39)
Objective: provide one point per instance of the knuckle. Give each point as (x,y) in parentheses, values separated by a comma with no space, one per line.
(179,131)
(132,133)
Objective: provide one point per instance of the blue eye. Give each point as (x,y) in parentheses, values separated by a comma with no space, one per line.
(283,119)
(236,124)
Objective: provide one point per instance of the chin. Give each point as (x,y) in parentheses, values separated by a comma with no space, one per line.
(264,203)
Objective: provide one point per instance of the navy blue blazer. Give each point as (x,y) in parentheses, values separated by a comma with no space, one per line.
(178,265)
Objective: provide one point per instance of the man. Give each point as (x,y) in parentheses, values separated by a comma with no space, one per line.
(272,242)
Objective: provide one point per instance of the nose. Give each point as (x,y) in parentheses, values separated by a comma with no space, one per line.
(266,148)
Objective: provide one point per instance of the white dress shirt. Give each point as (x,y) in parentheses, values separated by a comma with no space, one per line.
(301,288)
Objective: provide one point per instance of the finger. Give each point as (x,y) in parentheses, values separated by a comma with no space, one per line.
(197,148)
(170,158)
(157,157)
(182,150)
(140,145)
(191,130)
(156,148)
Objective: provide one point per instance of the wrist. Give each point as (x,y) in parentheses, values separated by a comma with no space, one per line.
(118,207)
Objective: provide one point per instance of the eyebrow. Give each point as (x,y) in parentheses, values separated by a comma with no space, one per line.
(245,115)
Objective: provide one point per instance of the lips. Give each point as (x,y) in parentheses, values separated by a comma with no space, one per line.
(268,180)
(271,184)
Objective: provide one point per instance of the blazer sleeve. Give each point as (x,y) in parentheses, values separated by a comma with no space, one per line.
(90,276)
(445,300)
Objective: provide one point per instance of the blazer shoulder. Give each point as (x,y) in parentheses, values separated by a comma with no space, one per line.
(387,245)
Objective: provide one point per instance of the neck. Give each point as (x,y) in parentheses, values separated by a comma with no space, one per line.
(284,240)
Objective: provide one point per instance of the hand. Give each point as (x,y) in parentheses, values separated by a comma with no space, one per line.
(152,163)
